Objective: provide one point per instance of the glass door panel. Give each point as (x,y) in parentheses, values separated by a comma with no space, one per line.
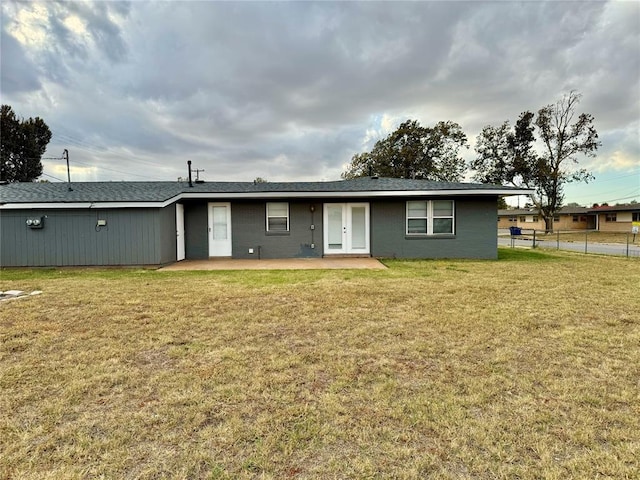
(335,227)
(358,227)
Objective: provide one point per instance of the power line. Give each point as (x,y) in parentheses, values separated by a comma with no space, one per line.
(630,174)
(111,170)
(97,149)
(622,198)
(55,178)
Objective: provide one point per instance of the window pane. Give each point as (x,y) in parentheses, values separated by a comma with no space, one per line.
(277,209)
(277,216)
(219,223)
(442,225)
(417,209)
(442,208)
(417,225)
(278,224)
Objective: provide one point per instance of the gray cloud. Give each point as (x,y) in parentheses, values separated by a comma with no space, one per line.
(18,73)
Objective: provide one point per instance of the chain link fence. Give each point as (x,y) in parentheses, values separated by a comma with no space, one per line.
(585,241)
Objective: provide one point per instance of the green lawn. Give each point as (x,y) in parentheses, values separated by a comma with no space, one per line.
(527,367)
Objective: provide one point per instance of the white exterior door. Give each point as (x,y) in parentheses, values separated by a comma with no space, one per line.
(219,229)
(180,250)
(346,228)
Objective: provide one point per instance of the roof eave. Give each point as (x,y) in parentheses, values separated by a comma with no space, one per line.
(266,195)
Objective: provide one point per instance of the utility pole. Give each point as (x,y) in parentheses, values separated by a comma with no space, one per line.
(65,154)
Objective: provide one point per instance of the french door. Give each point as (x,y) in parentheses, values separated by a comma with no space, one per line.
(346,228)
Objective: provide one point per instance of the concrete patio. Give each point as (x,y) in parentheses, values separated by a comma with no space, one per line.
(277,264)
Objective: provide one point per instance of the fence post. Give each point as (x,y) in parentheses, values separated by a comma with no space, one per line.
(534,238)
(558,240)
(627,244)
(586,241)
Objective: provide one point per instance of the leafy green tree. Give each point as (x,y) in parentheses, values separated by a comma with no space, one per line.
(546,163)
(22,144)
(414,151)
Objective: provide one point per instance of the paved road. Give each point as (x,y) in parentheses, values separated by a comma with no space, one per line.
(601,248)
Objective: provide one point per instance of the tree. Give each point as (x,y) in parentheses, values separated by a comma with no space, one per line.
(506,155)
(22,144)
(414,151)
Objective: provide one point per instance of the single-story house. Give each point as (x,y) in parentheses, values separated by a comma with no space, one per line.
(567,218)
(618,218)
(157,223)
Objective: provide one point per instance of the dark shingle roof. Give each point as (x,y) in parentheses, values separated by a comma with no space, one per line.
(524,211)
(89,192)
(163,191)
(633,207)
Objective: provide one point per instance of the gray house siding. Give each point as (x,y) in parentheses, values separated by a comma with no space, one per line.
(475,232)
(475,237)
(168,234)
(248,230)
(73,238)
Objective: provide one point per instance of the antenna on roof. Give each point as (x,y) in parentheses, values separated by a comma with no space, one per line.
(198,175)
(65,154)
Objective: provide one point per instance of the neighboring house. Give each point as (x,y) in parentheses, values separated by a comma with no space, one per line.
(619,218)
(568,218)
(156,223)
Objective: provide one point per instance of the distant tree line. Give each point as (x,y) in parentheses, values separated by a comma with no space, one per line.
(540,152)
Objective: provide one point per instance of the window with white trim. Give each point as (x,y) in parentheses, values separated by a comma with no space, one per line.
(430,217)
(277,217)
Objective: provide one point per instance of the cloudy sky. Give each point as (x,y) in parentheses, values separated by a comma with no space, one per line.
(290,91)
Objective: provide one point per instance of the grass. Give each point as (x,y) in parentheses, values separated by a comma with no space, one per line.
(527,367)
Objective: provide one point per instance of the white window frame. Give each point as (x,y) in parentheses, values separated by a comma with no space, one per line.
(277,216)
(430,218)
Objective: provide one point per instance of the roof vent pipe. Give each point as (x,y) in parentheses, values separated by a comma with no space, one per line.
(189,166)
(65,153)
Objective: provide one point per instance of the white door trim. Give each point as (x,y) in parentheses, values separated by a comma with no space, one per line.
(220,247)
(180,245)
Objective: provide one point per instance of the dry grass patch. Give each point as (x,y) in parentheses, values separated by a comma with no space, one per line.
(527,367)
